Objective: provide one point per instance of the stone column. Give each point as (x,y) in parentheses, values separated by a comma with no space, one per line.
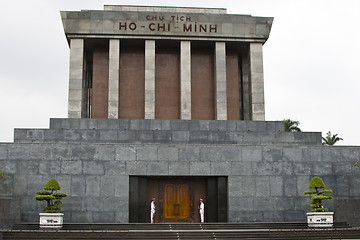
(185,80)
(220,81)
(76,78)
(257,82)
(149,79)
(114,67)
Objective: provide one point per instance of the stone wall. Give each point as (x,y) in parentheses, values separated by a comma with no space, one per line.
(173,24)
(347,210)
(268,169)
(9,211)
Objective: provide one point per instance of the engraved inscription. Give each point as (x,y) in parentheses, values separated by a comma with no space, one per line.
(163,23)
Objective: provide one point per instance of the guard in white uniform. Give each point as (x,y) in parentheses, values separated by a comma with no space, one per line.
(201,210)
(152,210)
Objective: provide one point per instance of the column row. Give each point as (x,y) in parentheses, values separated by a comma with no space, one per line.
(214,88)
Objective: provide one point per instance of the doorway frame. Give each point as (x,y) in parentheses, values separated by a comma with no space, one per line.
(216,197)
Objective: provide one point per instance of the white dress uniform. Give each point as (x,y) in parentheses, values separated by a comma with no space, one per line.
(152,211)
(201,211)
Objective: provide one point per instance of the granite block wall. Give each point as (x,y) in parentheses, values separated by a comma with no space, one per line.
(165,131)
(266,180)
(115,22)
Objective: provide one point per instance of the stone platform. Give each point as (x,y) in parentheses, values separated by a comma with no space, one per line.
(166,131)
(266,169)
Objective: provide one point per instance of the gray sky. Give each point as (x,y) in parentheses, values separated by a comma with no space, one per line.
(311,61)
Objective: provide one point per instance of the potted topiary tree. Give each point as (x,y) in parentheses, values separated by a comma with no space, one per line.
(319,216)
(51,218)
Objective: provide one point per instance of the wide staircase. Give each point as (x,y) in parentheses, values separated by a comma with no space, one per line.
(340,230)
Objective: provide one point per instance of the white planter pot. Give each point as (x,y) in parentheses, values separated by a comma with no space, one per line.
(51,220)
(320,219)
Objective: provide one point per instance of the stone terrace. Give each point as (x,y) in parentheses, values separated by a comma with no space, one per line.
(267,169)
(166,131)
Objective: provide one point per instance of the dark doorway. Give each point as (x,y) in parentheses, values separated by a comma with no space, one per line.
(177,198)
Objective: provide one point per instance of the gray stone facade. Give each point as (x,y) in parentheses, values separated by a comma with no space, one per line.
(264,169)
(267,168)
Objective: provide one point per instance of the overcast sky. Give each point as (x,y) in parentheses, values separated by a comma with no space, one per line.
(311,61)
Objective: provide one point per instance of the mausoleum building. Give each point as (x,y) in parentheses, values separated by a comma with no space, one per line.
(168,102)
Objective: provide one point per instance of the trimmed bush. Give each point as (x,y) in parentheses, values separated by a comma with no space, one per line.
(51,196)
(52,184)
(316,201)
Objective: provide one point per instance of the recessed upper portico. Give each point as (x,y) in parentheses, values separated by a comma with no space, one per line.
(213,60)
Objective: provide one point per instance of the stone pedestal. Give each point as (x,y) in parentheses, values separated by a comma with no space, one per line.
(51,220)
(320,219)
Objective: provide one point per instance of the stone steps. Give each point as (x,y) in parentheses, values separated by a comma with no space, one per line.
(177,226)
(165,131)
(183,231)
(164,136)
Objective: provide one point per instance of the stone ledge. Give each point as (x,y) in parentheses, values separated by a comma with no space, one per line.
(165,136)
(160,124)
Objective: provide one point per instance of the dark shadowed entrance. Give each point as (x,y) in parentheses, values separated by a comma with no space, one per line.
(177,198)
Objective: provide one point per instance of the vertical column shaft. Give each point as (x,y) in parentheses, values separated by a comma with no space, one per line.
(185,80)
(149,79)
(257,82)
(114,67)
(220,81)
(76,79)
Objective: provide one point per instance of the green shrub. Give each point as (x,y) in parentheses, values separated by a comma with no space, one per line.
(317,182)
(51,196)
(316,201)
(310,192)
